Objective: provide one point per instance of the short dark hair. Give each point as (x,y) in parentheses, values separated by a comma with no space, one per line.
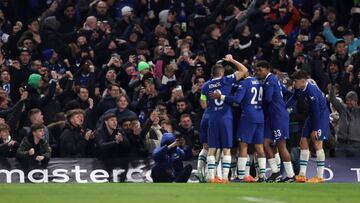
(196,80)
(123,95)
(209,29)
(185,116)
(35,127)
(33,112)
(300,75)
(4,126)
(112,85)
(180,100)
(263,64)
(216,69)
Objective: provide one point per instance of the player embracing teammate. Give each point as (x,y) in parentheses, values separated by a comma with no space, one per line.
(264,123)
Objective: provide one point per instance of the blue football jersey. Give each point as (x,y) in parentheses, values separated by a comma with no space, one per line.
(224,87)
(274,104)
(249,95)
(316,100)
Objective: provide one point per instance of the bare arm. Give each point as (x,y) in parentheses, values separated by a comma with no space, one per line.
(241,69)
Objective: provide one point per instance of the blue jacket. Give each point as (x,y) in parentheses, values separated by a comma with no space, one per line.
(330,37)
(168,159)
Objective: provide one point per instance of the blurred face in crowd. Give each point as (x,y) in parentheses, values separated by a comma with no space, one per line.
(186,122)
(350,103)
(200,82)
(4,134)
(28,43)
(216,33)
(2,92)
(349,38)
(34,26)
(110,75)
(24,57)
(341,49)
(177,94)
(199,71)
(5,77)
(36,65)
(299,83)
(83,94)
(101,8)
(69,12)
(167,126)
(91,22)
(5,103)
(333,68)
(331,17)
(156,120)
(305,24)
(130,70)
(300,59)
(261,72)
(318,39)
(126,126)
(115,91)
(81,41)
(111,123)
(37,118)
(39,133)
(150,87)
(122,103)
(246,32)
(77,120)
(181,106)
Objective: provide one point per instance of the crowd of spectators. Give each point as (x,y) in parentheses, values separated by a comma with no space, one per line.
(107,79)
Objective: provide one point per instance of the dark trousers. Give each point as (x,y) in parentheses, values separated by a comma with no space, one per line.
(160,175)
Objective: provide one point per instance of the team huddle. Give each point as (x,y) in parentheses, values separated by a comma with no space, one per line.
(262,128)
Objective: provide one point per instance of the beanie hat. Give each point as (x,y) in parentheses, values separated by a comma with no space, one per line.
(352,95)
(47,54)
(34,80)
(143,65)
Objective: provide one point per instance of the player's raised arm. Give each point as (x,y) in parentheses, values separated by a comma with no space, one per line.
(241,69)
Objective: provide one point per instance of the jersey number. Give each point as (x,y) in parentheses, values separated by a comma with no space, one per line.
(257,95)
(218,102)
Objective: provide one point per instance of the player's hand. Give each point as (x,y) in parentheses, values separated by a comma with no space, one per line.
(228,58)
(215,95)
(314,135)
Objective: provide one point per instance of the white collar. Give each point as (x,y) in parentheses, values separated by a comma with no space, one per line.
(268,75)
(216,78)
(306,85)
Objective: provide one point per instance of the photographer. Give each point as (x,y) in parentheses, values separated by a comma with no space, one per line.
(169,162)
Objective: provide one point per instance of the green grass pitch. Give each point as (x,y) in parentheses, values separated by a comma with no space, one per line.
(184,193)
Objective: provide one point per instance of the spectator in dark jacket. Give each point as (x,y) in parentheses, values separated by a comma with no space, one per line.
(8,145)
(75,140)
(34,151)
(169,161)
(110,141)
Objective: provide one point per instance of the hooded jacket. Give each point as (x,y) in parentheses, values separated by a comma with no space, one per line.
(168,159)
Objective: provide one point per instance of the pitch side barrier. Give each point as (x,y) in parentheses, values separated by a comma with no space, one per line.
(88,170)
